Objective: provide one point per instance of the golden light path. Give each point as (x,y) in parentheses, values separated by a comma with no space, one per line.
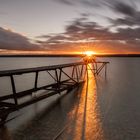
(84,122)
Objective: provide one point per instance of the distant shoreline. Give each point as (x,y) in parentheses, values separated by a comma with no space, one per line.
(73,55)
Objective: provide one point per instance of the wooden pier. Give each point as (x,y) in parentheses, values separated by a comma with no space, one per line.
(76,75)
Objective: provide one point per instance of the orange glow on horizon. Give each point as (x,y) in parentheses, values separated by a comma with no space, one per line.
(87,53)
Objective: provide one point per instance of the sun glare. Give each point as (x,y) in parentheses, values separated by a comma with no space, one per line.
(89,53)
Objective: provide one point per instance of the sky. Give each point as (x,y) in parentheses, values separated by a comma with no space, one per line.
(67,26)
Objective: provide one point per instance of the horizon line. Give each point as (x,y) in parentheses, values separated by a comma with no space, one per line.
(69,55)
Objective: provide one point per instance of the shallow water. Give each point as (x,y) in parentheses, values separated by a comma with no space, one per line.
(104,108)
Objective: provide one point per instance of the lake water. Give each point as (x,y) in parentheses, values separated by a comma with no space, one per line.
(104,108)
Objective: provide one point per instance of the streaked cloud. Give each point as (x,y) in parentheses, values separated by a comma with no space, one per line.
(67,2)
(86,33)
(14,41)
(128,10)
(124,8)
(131,14)
(88,3)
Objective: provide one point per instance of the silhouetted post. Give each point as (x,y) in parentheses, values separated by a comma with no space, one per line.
(13,88)
(36,80)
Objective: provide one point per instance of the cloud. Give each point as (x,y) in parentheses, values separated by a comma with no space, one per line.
(89,3)
(130,14)
(127,20)
(86,33)
(123,21)
(14,41)
(124,8)
(101,3)
(44,36)
(67,2)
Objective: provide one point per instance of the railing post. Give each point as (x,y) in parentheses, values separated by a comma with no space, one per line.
(57,80)
(96,68)
(72,75)
(77,76)
(36,80)
(105,69)
(60,75)
(81,73)
(13,89)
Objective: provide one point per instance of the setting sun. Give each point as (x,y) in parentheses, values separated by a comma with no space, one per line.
(89,53)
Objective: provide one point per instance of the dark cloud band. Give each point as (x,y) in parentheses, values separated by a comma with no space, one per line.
(14,41)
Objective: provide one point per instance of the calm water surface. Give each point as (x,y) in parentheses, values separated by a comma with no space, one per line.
(104,108)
